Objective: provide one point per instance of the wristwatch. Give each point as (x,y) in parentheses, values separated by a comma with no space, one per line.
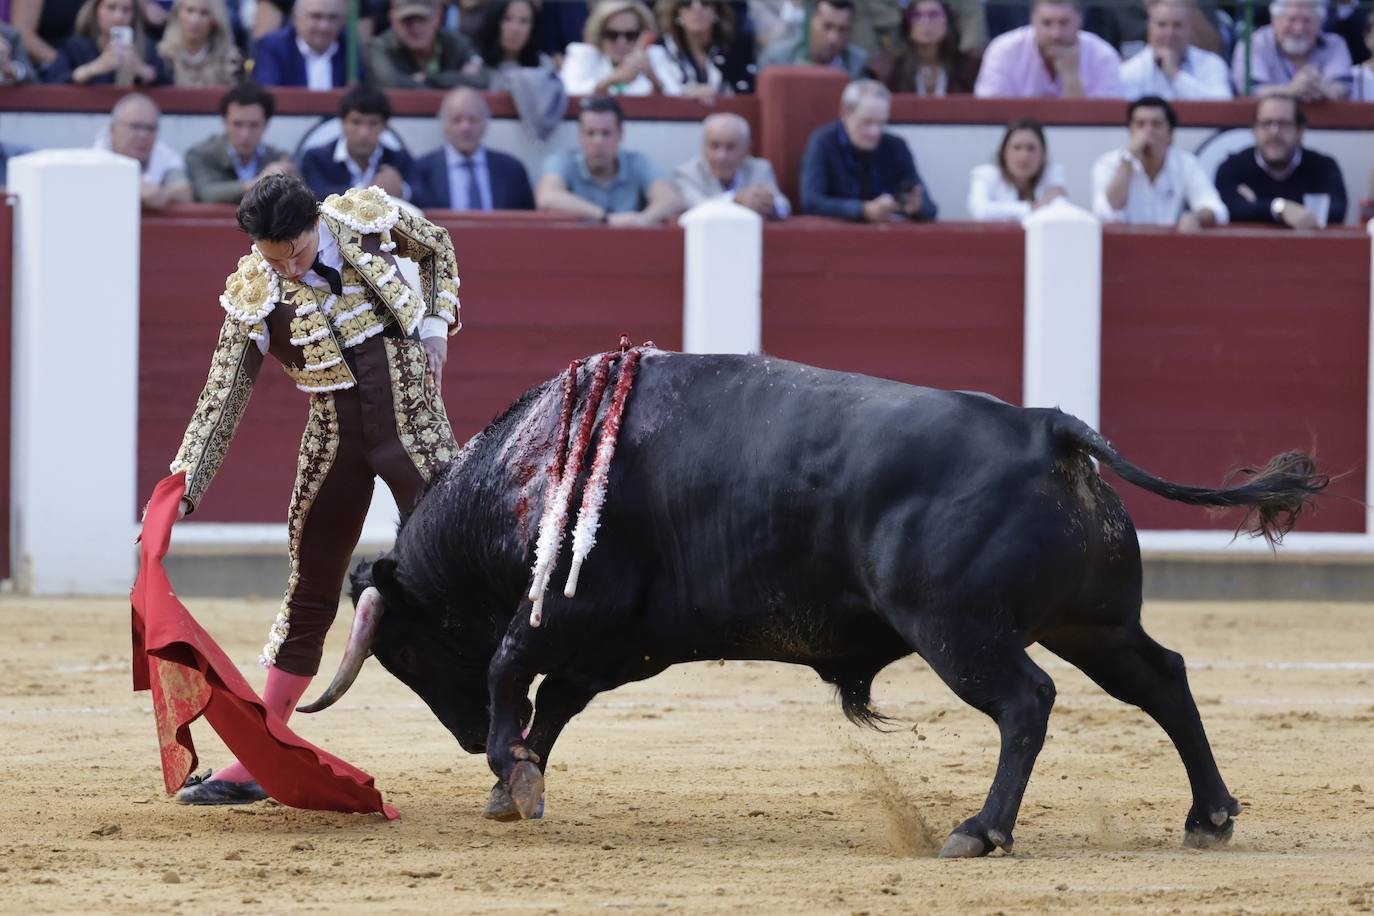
(1277,207)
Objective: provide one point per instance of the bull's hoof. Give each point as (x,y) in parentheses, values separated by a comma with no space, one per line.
(526,788)
(970,840)
(1212,829)
(500,806)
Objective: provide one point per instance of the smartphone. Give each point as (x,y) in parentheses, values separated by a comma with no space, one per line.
(122,34)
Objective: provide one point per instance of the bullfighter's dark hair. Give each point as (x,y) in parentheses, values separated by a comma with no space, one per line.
(1153,101)
(365,100)
(248,93)
(601,104)
(278,208)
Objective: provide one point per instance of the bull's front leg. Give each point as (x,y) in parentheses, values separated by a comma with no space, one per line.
(508,754)
(558,700)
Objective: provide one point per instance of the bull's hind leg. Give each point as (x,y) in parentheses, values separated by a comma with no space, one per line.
(996,677)
(1128,664)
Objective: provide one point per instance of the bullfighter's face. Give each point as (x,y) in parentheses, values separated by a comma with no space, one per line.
(292,258)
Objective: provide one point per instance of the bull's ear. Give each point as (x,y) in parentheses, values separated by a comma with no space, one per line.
(384,574)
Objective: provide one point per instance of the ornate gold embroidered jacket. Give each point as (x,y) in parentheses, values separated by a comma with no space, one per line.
(312,329)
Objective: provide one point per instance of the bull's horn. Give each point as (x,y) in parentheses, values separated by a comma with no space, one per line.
(365,618)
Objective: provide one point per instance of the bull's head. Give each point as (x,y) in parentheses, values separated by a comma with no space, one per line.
(420,647)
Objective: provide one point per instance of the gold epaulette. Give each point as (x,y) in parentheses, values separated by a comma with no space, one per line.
(365,211)
(251,292)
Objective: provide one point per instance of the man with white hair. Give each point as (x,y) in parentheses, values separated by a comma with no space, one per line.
(1293,57)
(725,169)
(133,133)
(1170,66)
(853,169)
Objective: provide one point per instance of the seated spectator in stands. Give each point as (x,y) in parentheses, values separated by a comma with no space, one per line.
(15,67)
(225,166)
(132,132)
(1150,182)
(603,181)
(42,25)
(1292,56)
(725,169)
(1362,75)
(1279,181)
(613,57)
(1052,56)
(1023,179)
(358,158)
(198,46)
(309,52)
(825,43)
(852,169)
(7,152)
(110,46)
(776,20)
(929,62)
(464,174)
(704,53)
(416,54)
(1125,26)
(508,42)
(1170,66)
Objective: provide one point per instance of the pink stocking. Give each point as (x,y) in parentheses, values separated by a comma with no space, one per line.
(283,692)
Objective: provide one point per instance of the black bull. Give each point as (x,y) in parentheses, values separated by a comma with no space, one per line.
(762,509)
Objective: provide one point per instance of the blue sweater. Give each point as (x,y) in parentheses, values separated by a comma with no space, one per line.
(832,179)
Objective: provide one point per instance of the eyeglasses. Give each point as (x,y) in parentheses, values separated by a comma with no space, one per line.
(934,15)
(614,35)
(1275,125)
(684,4)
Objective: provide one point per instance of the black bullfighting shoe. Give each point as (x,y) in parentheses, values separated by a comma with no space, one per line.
(200,790)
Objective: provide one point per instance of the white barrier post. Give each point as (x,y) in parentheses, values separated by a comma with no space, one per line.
(722,279)
(1063,331)
(75,383)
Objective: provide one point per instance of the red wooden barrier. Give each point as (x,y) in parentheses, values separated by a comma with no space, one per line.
(931,305)
(535,296)
(6,348)
(1223,349)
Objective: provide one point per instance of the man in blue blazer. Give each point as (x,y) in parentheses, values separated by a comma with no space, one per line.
(852,169)
(463,174)
(359,159)
(309,52)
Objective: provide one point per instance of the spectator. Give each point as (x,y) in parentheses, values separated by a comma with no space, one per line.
(825,42)
(110,46)
(1023,179)
(1362,75)
(704,55)
(225,166)
(508,42)
(43,25)
(1125,26)
(198,46)
(15,67)
(1170,66)
(1052,56)
(1277,180)
(776,20)
(852,169)
(1150,182)
(464,174)
(929,62)
(725,169)
(132,132)
(613,57)
(7,152)
(1349,20)
(1291,55)
(308,52)
(358,158)
(603,181)
(417,54)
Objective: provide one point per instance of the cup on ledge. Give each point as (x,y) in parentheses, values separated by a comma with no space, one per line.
(1320,205)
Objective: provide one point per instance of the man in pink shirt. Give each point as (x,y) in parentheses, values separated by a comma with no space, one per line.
(1050,57)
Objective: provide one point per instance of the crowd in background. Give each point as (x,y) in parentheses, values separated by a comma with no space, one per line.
(1148,53)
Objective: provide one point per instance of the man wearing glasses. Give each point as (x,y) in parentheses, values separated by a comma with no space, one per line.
(306,53)
(1277,181)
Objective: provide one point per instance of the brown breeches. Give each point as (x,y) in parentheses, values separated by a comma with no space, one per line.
(392,425)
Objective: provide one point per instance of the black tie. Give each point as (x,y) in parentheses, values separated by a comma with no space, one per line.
(474,188)
(330,275)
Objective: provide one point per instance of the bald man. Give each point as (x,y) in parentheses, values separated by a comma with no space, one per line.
(463,174)
(725,169)
(133,133)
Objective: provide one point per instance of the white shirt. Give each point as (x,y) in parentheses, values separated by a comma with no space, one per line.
(992,198)
(1203,75)
(458,179)
(584,65)
(319,68)
(1159,202)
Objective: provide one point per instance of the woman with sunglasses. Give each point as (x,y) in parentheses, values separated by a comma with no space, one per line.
(704,56)
(615,56)
(929,61)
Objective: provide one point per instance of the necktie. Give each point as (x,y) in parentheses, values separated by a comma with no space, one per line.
(330,275)
(474,189)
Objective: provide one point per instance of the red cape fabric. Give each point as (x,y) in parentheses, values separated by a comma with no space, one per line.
(190,676)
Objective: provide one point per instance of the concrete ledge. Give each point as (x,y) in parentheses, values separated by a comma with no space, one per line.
(240,571)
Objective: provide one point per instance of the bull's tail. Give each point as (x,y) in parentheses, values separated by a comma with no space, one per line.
(1274,495)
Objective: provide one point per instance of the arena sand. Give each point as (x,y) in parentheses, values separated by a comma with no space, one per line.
(710,789)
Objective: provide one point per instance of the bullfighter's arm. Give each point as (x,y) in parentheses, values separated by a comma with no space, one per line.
(431,248)
(233,369)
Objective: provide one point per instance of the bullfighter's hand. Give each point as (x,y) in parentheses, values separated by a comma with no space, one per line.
(436,352)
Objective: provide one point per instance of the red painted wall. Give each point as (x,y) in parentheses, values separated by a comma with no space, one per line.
(1224,349)
(925,304)
(6,348)
(535,295)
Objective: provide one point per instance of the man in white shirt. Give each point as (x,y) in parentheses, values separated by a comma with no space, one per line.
(1171,66)
(1149,182)
(726,170)
(133,133)
(307,53)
